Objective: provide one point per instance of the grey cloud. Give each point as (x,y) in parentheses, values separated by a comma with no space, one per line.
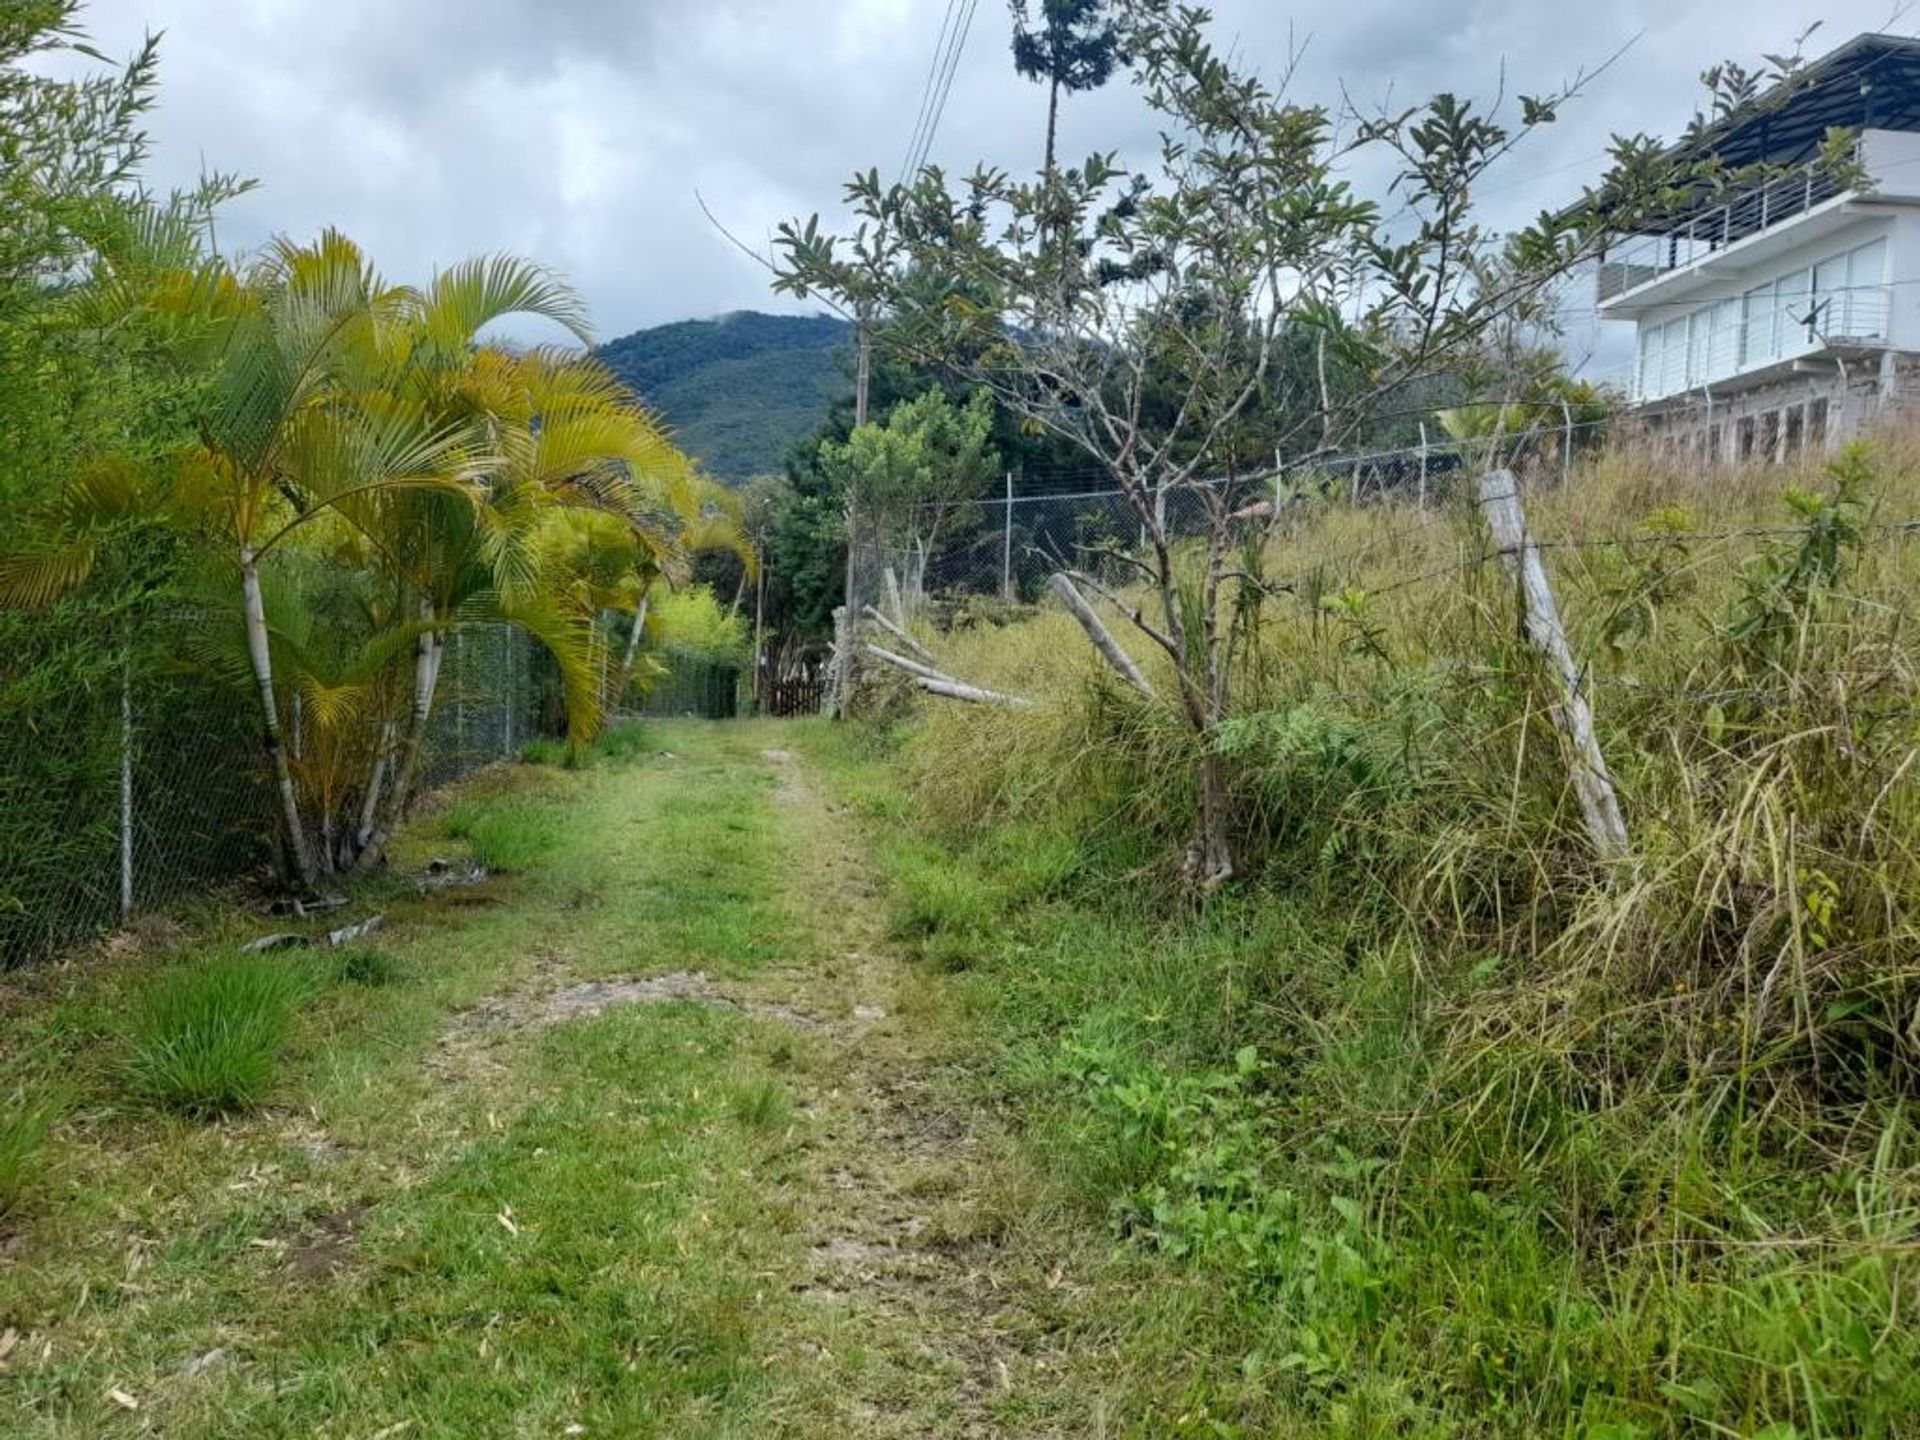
(576,131)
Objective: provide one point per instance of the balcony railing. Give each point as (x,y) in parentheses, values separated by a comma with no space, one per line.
(1719,343)
(1641,259)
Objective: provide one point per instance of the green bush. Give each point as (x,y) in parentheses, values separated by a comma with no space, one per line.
(206,1038)
(23,1131)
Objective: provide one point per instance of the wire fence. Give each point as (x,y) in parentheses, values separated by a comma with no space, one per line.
(149,787)
(1007,547)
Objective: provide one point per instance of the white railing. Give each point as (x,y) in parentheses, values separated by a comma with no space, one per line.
(1720,342)
(1641,259)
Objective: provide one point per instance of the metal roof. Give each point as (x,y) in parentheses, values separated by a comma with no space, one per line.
(1871,82)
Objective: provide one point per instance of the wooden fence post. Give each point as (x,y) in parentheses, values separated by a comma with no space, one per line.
(1500,501)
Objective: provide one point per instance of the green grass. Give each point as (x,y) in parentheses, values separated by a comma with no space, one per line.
(25,1121)
(369,966)
(510,834)
(1431,1126)
(207,1037)
(454,1223)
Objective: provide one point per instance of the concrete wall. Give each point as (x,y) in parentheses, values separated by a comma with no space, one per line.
(1892,161)
(1797,413)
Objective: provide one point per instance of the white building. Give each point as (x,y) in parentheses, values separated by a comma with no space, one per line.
(1787,316)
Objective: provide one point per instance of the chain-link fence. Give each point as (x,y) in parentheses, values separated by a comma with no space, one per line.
(1007,547)
(146,785)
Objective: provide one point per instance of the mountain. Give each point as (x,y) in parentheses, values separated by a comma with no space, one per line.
(741,389)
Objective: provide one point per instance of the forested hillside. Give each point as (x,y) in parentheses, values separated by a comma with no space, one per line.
(739,390)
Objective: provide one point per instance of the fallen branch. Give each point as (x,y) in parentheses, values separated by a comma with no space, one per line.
(1102,638)
(956,690)
(1133,613)
(901,662)
(899,634)
(936,682)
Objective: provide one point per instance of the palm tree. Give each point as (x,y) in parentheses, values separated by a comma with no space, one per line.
(304,420)
(563,436)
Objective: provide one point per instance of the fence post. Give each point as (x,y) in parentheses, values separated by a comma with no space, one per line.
(1423,465)
(126,790)
(506,633)
(1599,806)
(1566,448)
(460,694)
(1006,546)
(841,681)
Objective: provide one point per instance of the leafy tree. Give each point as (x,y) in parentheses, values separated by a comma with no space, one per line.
(915,476)
(1139,315)
(1074,47)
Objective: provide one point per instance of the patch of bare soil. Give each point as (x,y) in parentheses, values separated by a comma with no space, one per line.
(326,1244)
(578,1002)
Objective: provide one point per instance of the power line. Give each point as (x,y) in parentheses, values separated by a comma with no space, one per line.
(946,84)
(926,93)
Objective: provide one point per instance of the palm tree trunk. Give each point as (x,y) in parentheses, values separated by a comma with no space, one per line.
(633,650)
(426,676)
(261,655)
(370,801)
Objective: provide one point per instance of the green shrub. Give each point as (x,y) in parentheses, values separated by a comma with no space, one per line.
(206,1038)
(24,1123)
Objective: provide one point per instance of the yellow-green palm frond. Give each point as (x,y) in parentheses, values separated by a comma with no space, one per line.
(464,300)
(32,579)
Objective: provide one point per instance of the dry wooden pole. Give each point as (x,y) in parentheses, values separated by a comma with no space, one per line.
(893,596)
(1423,466)
(902,636)
(901,662)
(1102,638)
(937,683)
(843,633)
(1599,805)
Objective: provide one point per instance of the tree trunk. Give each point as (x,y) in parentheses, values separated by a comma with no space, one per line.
(370,802)
(628,660)
(261,656)
(426,675)
(1209,862)
(1053,124)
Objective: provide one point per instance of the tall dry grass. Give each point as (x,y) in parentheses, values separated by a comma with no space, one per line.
(1680,1086)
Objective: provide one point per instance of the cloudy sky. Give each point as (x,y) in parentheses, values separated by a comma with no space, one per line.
(577,131)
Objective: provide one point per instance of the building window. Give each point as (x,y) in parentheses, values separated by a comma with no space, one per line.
(1713,444)
(1744,436)
(1768,442)
(1796,418)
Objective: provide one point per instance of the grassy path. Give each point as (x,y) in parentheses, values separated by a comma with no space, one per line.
(654,1136)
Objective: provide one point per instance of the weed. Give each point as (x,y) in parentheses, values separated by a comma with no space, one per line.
(626,741)
(1533,1147)
(206,1037)
(370,967)
(545,750)
(762,1105)
(509,832)
(24,1123)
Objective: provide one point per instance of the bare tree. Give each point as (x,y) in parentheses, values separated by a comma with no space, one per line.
(1140,314)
